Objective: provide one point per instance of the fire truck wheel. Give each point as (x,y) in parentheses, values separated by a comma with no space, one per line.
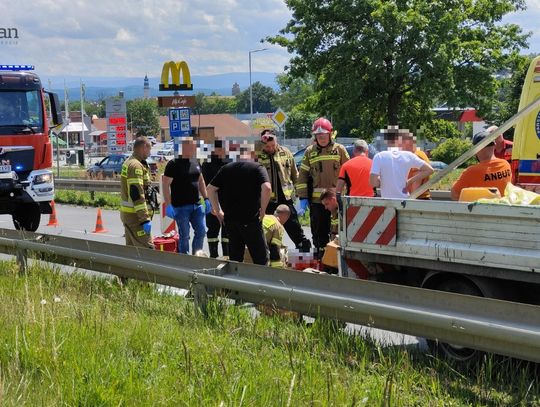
(456,353)
(27,217)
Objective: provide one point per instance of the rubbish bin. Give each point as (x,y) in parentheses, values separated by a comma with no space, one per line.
(80,157)
(71,157)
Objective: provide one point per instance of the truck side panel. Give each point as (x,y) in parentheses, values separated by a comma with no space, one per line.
(478,235)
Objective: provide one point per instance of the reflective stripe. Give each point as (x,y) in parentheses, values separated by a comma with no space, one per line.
(332,157)
(276,241)
(225,240)
(141,233)
(127,210)
(301,186)
(135,181)
(212,239)
(128,204)
(276,264)
(138,171)
(304,167)
(140,207)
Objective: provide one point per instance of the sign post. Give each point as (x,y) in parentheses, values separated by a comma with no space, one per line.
(179,106)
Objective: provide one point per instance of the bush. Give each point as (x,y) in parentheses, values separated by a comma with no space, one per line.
(451,149)
(439,130)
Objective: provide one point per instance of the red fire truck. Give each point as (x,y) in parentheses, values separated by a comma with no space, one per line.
(26,179)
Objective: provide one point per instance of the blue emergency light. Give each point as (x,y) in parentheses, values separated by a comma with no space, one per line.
(17,67)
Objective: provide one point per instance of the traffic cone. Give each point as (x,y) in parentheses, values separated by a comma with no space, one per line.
(52,218)
(99,223)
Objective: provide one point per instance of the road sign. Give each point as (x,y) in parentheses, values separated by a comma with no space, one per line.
(176,101)
(115,109)
(179,122)
(279,117)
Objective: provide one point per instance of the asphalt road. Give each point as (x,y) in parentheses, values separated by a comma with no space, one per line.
(79,222)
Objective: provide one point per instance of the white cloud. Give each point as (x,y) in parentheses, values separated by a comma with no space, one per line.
(123,35)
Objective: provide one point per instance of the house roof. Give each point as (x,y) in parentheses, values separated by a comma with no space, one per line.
(225,125)
(100,123)
(470,116)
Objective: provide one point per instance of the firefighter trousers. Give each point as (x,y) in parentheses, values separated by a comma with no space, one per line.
(212,235)
(320,220)
(134,232)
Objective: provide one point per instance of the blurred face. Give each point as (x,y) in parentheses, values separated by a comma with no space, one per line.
(144,150)
(323,139)
(188,149)
(330,204)
(270,146)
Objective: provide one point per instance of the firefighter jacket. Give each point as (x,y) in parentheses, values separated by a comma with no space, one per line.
(273,234)
(320,166)
(134,181)
(280,166)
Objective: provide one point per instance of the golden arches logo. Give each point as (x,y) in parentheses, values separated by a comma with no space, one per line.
(175,69)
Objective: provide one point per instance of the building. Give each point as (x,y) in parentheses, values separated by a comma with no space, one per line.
(146,87)
(235,89)
(209,126)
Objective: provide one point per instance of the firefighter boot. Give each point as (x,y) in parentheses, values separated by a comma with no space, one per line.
(225,248)
(213,247)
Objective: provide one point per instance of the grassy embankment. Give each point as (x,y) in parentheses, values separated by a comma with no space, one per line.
(74,340)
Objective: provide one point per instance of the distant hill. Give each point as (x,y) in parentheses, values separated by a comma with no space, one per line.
(100,87)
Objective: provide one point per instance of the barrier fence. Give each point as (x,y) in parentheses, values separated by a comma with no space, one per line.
(502,327)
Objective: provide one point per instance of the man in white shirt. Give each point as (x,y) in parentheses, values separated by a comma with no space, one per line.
(390,169)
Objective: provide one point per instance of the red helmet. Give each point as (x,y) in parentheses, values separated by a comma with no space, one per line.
(321,125)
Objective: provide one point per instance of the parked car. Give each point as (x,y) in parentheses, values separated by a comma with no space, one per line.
(350,148)
(111,166)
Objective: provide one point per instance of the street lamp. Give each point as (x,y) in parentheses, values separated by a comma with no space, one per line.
(251,90)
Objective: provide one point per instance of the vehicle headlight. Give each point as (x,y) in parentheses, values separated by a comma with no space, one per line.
(43,179)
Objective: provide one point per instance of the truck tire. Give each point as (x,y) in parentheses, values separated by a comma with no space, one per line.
(457,353)
(27,217)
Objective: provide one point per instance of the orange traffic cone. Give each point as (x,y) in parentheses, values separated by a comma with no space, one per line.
(99,223)
(52,218)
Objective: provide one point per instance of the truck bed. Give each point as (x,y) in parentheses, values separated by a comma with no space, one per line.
(484,239)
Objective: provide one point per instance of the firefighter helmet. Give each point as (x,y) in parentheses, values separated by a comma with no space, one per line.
(321,125)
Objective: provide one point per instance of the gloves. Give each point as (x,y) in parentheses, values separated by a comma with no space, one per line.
(147,226)
(207,206)
(304,204)
(169,211)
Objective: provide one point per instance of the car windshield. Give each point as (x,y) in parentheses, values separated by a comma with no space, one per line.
(20,112)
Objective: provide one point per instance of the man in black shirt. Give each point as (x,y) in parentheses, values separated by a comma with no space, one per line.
(244,191)
(182,184)
(209,170)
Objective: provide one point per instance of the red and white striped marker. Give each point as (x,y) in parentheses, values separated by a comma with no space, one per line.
(372,225)
(167,224)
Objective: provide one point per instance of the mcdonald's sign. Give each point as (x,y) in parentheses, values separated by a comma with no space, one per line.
(175,69)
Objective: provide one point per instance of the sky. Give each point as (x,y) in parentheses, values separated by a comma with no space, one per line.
(131,38)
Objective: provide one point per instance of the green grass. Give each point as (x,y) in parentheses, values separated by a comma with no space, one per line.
(74,340)
(71,172)
(108,200)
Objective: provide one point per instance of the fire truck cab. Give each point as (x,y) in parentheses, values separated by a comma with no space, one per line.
(26,179)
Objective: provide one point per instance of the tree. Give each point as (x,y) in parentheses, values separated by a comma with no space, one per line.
(378,62)
(294,92)
(439,129)
(509,92)
(263,99)
(90,108)
(143,117)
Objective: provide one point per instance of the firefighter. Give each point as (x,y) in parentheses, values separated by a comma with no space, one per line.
(320,166)
(209,170)
(134,181)
(281,168)
(273,233)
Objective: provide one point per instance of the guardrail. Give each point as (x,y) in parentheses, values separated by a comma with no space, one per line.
(496,326)
(114,186)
